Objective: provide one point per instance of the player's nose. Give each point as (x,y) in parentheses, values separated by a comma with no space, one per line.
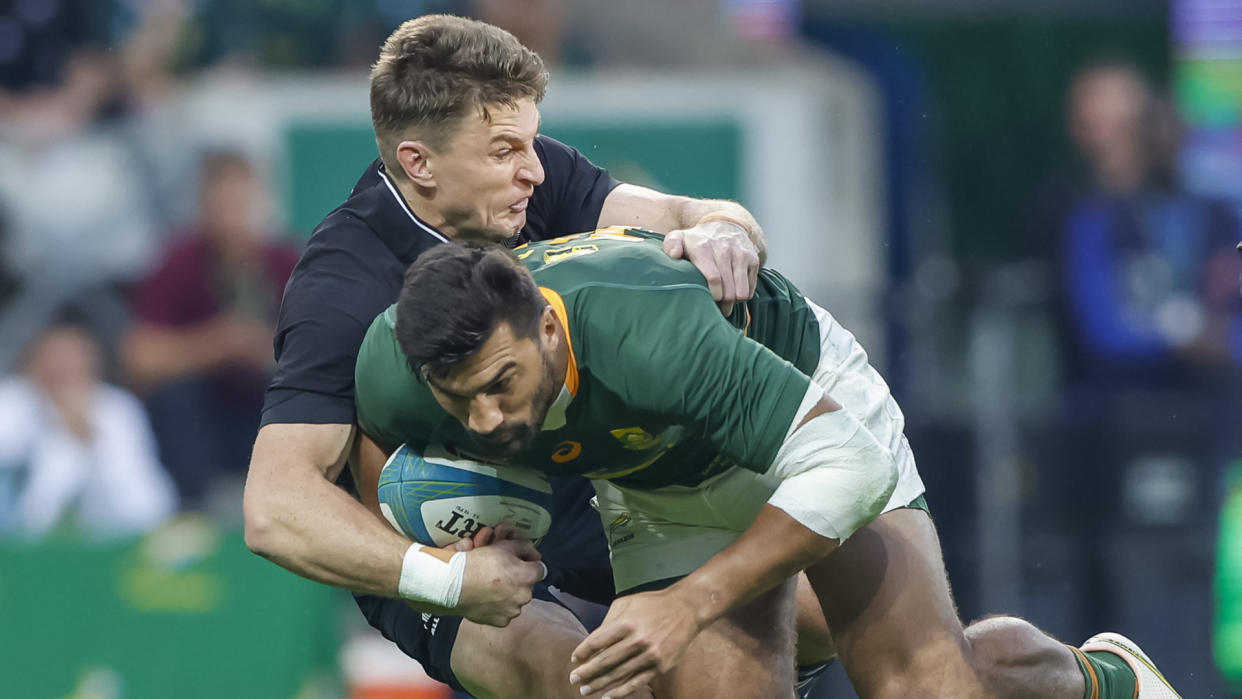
(485,416)
(531,170)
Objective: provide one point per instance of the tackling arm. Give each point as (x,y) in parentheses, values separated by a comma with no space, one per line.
(297,518)
(720,237)
(641,207)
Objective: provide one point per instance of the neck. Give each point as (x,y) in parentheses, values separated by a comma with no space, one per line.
(1121,173)
(420,202)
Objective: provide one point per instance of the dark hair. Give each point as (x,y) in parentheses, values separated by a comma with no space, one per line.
(454,297)
(434,69)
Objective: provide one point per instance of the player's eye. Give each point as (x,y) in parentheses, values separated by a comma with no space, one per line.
(503,153)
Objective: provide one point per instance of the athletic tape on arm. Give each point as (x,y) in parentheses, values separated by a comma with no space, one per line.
(835,476)
(425,578)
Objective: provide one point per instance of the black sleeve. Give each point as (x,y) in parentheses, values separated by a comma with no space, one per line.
(328,304)
(572,193)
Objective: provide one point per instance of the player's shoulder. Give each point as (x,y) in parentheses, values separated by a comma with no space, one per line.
(551,151)
(380,355)
(384,381)
(353,259)
(615,258)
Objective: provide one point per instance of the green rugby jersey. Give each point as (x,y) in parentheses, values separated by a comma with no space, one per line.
(665,389)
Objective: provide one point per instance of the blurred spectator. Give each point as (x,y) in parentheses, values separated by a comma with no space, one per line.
(1149,266)
(74,451)
(1155,322)
(201,348)
(69,182)
(77,214)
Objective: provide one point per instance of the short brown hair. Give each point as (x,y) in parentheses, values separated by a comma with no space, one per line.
(434,69)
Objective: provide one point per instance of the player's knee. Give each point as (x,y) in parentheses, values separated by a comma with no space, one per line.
(529,657)
(998,641)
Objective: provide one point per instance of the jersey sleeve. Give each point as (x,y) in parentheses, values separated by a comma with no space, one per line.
(670,351)
(394,406)
(572,194)
(323,317)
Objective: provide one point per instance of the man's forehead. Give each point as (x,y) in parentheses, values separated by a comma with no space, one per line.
(504,119)
(498,352)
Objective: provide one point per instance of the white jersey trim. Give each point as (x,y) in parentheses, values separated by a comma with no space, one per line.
(406,208)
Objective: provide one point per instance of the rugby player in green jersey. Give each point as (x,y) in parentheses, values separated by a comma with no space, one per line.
(729,454)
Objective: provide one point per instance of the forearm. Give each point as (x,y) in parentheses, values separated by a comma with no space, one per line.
(298,519)
(774,548)
(640,207)
(698,211)
(323,534)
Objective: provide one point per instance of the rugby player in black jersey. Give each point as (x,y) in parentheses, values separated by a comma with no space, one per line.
(454,106)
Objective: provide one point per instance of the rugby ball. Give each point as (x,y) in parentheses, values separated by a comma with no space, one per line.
(439,497)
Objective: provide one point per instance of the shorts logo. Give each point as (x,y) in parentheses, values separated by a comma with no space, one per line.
(566,451)
(623,520)
(634,438)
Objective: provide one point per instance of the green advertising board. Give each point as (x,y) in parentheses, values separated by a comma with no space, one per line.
(701,158)
(187,612)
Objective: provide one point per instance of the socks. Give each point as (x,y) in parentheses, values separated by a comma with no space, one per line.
(1107,675)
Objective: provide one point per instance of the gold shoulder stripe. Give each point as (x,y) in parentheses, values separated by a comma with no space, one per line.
(558,305)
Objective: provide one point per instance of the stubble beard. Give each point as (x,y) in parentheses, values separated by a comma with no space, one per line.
(507,441)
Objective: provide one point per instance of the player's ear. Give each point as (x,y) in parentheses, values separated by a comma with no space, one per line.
(548,324)
(415,159)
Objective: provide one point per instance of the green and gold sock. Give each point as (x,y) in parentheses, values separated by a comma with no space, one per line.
(1107,675)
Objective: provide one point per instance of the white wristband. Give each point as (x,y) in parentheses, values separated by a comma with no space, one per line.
(425,578)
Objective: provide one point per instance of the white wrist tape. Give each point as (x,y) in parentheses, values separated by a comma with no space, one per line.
(835,476)
(425,578)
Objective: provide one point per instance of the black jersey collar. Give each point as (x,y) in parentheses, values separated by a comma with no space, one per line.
(396,194)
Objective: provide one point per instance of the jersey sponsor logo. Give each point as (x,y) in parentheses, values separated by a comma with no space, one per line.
(635,438)
(638,439)
(566,452)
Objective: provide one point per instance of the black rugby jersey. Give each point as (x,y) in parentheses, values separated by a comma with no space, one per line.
(352,269)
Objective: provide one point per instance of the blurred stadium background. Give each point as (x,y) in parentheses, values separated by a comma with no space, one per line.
(1025,211)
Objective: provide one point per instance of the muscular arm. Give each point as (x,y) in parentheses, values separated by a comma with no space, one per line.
(640,207)
(298,519)
(720,237)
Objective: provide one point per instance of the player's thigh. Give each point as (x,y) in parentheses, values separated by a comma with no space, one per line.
(527,658)
(886,598)
(814,639)
(747,654)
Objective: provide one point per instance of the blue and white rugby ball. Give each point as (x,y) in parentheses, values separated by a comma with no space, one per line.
(438,498)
